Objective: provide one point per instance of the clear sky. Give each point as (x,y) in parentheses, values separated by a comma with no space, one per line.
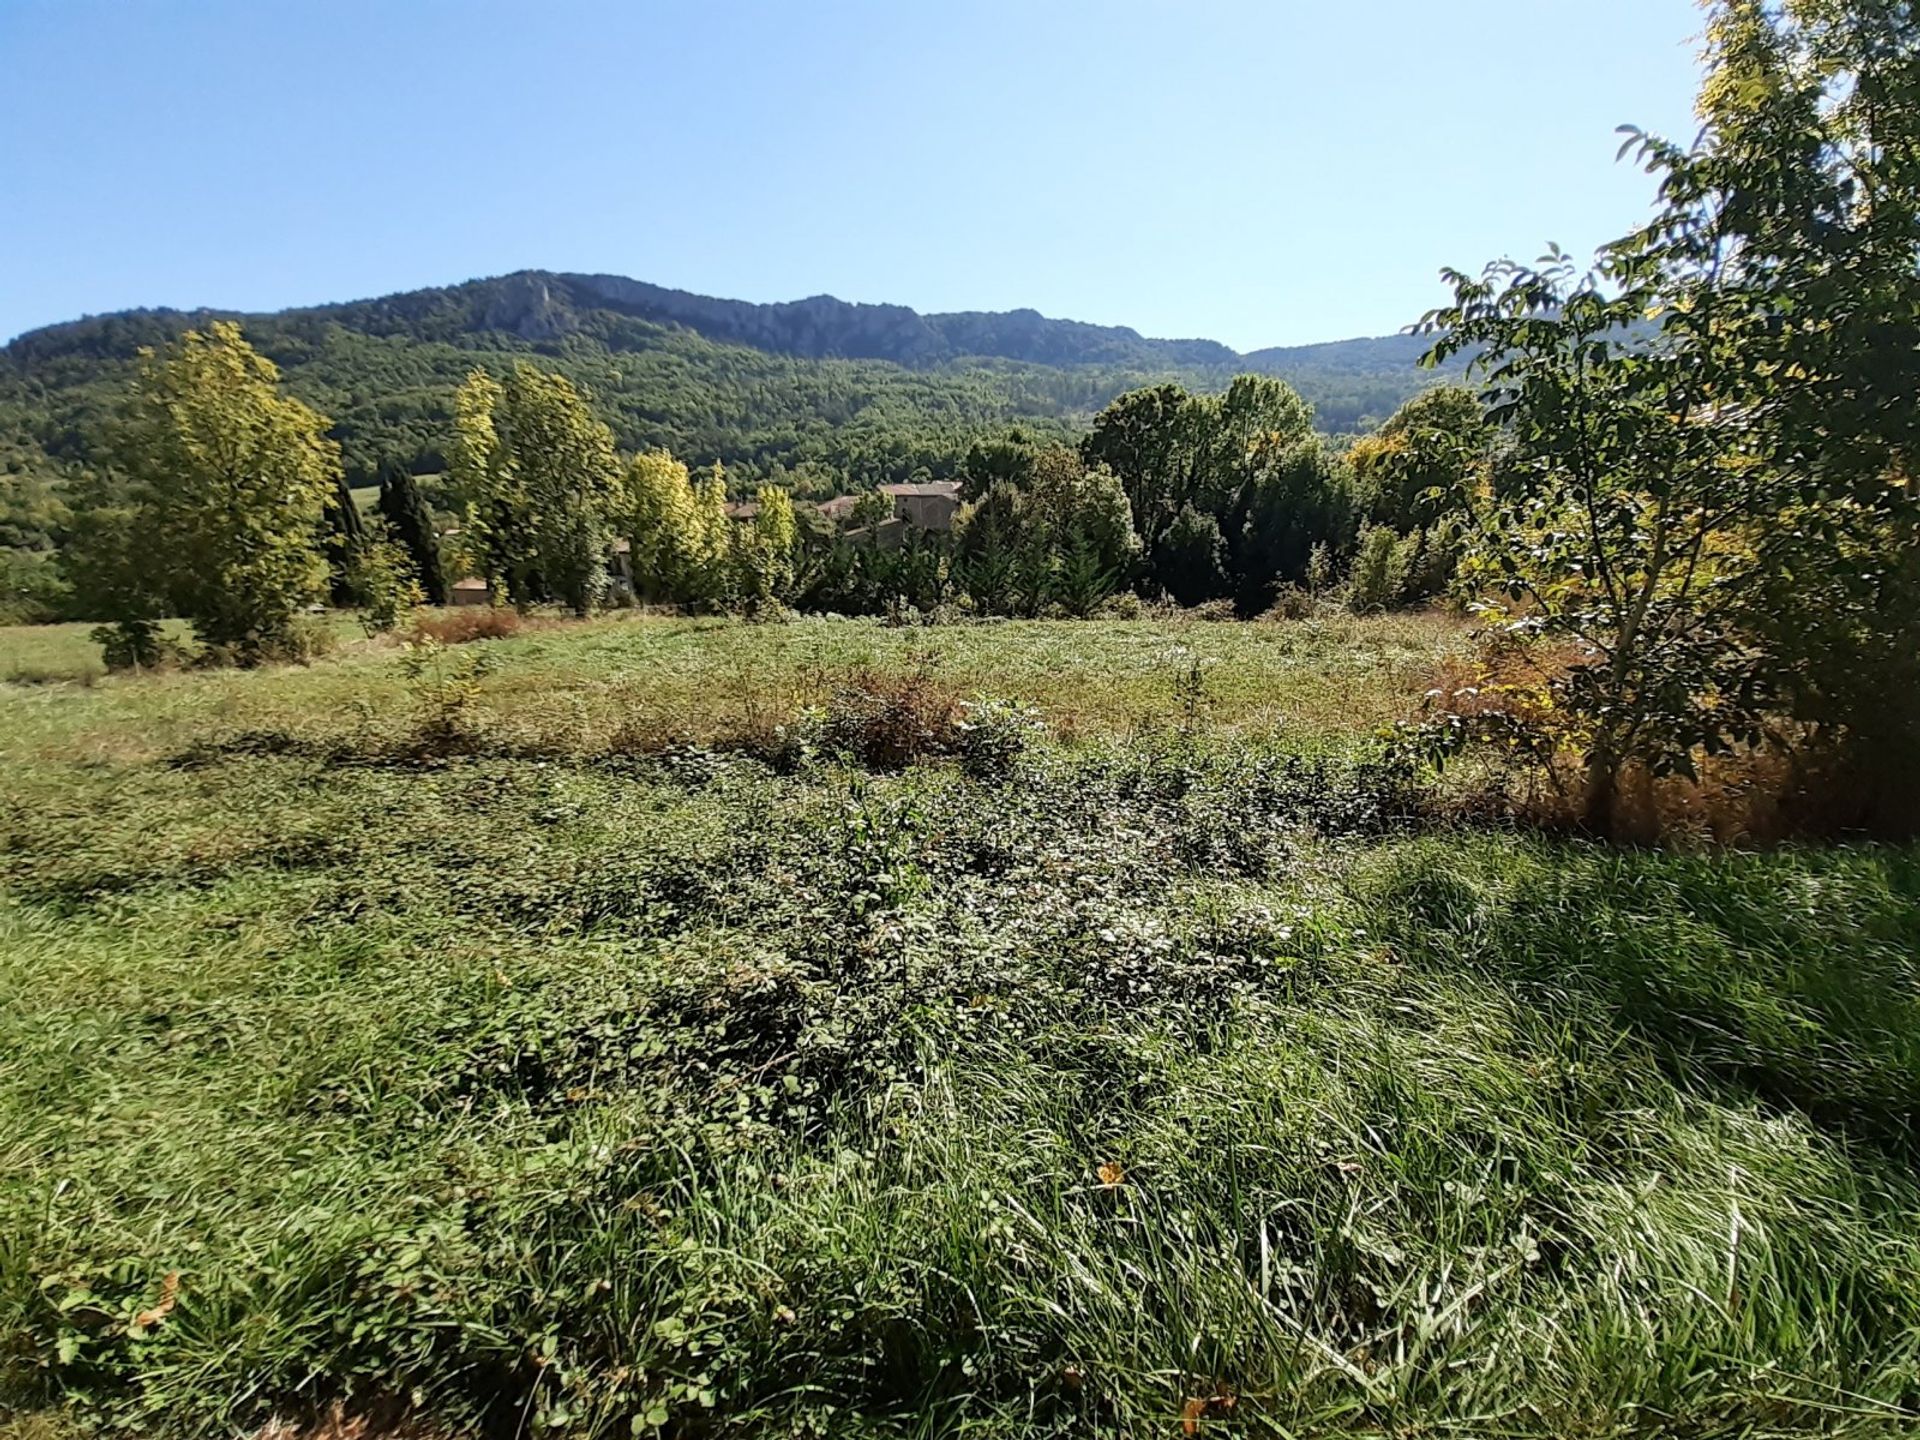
(1254,171)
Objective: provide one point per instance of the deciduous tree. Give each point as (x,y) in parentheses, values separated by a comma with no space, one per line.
(662,527)
(227,483)
(1420,459)
(540,484)
(766,553)
(1663,476)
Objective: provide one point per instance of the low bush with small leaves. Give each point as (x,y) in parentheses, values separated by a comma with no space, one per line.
(445,688)
(994,734)
(388,590)
(1292,603)
(138,645)
(302,641)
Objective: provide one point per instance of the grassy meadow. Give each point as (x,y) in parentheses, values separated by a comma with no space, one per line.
(585,1042)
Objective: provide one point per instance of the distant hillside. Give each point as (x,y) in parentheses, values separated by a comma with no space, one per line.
(823,391)
(539,306)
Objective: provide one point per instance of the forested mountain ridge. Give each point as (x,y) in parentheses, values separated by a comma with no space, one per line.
(537,305)
(823,393)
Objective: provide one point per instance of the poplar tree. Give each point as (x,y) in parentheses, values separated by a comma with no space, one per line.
(540,486)
(767,552)
(661,526)
(228,482)
(712,580)
(493,510)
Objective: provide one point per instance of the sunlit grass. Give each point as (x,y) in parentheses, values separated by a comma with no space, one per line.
(558,1087)
(1344,675)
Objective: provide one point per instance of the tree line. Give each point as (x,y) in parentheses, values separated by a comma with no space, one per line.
(1232,500)
(227,503)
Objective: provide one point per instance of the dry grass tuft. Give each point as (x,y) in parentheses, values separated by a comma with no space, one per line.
(881,719)
(889,719)
(336,1422)
(459,626)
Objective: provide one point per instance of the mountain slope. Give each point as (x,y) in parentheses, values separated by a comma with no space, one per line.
(826,391)
(536,304)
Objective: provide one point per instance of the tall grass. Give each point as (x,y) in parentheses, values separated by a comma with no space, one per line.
(1176,1079)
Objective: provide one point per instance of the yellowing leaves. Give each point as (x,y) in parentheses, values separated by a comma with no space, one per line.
(169,1297)
(1198,1406)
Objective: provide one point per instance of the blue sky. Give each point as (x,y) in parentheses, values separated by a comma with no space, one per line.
(1253,171)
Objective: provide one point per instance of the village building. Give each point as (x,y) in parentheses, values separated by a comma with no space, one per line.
(927,505)
(837,510)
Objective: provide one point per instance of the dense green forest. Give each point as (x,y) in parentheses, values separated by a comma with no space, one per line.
(830,402)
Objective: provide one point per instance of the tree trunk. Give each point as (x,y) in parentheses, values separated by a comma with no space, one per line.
(1603,789)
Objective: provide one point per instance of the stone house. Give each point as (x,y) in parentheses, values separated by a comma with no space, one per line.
(929,505)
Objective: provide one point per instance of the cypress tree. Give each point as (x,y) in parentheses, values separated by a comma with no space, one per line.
(411,521)
(346,538)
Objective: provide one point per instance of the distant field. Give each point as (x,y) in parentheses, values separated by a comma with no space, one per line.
(485,1046)
(1340,676)
(56,654)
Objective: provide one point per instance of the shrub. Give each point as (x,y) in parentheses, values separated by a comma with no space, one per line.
(886,721)
(1427,560)
(383,578)
(136,645)
(994,734)
(1320,570)
(1379,570)
(444,688)
(458,627)
(1291,603)
(1499,711)
(300,641)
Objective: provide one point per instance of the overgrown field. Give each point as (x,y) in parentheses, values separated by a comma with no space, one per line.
(589,1045)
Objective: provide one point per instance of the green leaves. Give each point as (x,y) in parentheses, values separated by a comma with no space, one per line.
(1706,412)
(539,484)
(226,482)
